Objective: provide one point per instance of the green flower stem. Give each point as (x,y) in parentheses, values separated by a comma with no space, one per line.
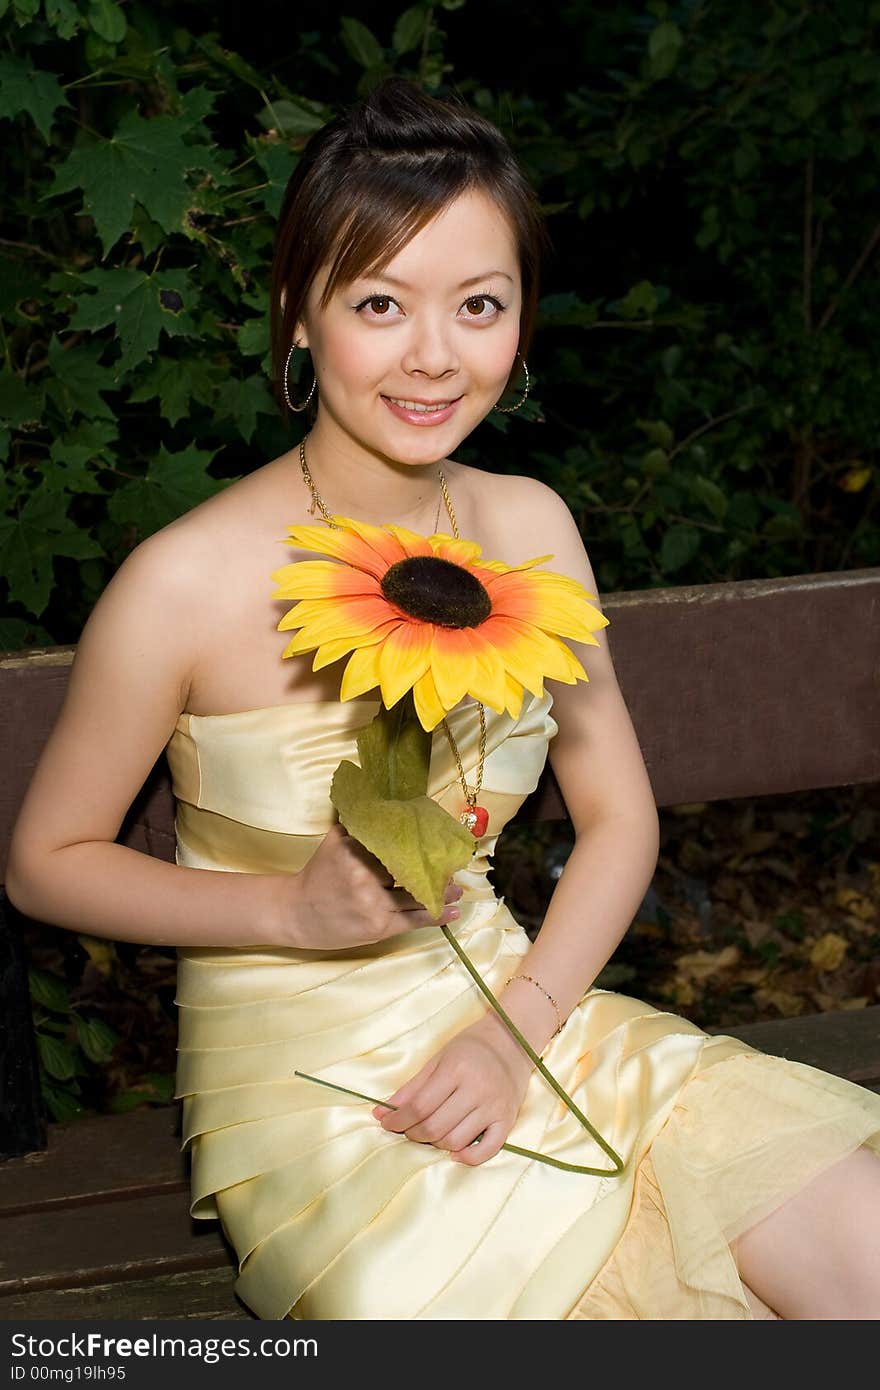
(619,1165)
(618,1162)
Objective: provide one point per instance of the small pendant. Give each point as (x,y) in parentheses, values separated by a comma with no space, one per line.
(475,819)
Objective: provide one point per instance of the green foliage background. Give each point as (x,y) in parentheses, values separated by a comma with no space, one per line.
(704,371)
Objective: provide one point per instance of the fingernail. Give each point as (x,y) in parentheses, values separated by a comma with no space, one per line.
(454,912)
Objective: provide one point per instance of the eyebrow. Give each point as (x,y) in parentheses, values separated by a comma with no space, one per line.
(474,279)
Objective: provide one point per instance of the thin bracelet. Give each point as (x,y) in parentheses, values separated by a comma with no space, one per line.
(539,986)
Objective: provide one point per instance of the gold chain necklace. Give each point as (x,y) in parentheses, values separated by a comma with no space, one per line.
(474,817)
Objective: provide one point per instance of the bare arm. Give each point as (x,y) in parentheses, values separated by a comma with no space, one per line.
(128,685)
(598,764)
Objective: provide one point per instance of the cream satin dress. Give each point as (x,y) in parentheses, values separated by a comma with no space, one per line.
(333,1217)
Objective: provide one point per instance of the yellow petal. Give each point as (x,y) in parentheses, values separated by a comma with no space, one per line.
(322,579)
(404,658)
(488,682)
(555,609)
(513,696)
(361,673)
(427,703)
(386,547)
(411,541)
(452,664)
(329,652)
(341,544)
(458,551)
(335,618)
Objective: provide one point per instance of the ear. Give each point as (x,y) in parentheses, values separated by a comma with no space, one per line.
(300,335)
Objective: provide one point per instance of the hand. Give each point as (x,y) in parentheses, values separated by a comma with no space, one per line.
(344,896)
(475,1085)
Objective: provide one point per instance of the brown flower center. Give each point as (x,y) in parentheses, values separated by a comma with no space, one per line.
(437,591)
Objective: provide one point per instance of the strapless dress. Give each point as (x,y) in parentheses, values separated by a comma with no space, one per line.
(333,1217)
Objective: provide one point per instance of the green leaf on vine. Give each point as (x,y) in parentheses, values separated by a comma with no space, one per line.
(173,484)
(144,160)
(243,400)
(177,382)
(77,378)
(141,306)
(30,541)
(24,88)
(76,458)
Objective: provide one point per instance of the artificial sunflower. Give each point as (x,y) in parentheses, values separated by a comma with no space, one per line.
(428,614)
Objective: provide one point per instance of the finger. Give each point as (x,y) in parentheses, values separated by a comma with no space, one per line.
(408,1089)
(418,1104)
(447,1120)
(405,902)
(449,1127)
(490,1142)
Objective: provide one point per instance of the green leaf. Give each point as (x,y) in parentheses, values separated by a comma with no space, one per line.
(64,17)
(58,1058)
(243,400)
(107,19)
(30,541)
(173,485)
(20,281)
(277,162)
(409,29)
(147,160)
(96,1038)
(680,543)
(419,842)
(16,635)
(24,88)
(658,432)
(253,336)
(711,495)
(395,751)
(361,43)
(141,307)
(25,10)
(61,1101)
(49,991)
(159,1090)
(76,457)
(177,382)
(640,301)
(77,378)
(664,46)
(20,404)
(293,117)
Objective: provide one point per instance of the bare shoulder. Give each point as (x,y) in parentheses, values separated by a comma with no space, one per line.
(522,517)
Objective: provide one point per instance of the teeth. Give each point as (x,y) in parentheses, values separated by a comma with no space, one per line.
(414,405)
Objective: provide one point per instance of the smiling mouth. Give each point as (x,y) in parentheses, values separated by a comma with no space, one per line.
(423,407)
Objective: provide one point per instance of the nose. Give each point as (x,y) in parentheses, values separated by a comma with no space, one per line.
(430,349)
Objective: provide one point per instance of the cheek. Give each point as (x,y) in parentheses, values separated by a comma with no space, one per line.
(346,361)
(493,354)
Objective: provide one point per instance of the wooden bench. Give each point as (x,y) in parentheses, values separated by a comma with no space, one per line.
(735,690)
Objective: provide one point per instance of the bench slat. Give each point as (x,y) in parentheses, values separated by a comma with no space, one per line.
(84,1245)
(196,1294)
(97,1159)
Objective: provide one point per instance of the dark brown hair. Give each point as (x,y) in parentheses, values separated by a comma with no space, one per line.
(370,179)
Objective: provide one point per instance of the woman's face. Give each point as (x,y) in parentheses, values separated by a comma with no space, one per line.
(437,328)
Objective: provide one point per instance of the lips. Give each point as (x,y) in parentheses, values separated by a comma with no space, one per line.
(419,404)
(416,412)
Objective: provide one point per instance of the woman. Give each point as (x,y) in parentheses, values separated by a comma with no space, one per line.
(406,265)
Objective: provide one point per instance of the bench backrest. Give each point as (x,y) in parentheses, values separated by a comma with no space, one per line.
(734,689)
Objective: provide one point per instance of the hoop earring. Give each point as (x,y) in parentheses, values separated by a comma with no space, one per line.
(509,409)
(296,408)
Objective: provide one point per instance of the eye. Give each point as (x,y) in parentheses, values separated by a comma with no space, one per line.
(379,305)
(475,305)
